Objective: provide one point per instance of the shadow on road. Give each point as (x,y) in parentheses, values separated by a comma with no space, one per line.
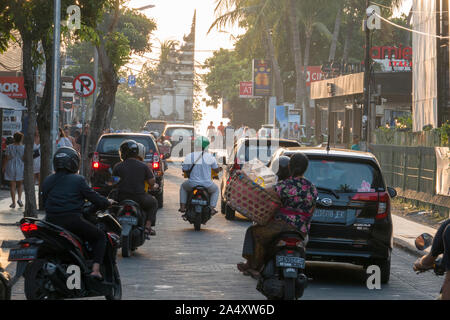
(336,273)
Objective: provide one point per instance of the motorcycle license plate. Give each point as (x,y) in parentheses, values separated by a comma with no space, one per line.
(23,254)
(329,216)
(200,202)
(129,220)
(290,262)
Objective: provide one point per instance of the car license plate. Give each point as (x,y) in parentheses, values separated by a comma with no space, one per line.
(23,254)
(129,220)
(330,216)
(290,262)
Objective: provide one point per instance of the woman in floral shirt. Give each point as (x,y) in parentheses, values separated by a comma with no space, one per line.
(298,200)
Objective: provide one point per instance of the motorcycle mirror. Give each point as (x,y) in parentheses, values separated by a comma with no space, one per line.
(113,181)
(392,192)
(423,241)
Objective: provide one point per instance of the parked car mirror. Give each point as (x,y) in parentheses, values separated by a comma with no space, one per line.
(392,192)
(423,241)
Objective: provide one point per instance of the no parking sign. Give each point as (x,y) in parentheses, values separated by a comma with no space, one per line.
(84,85)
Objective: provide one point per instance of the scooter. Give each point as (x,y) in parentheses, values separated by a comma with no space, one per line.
(423,242)
(198,211)
(56,263)
(283,276)
(132,220)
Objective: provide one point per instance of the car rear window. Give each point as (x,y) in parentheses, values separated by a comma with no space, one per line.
(344,176)
(155,126)
(111,144)
(180,132)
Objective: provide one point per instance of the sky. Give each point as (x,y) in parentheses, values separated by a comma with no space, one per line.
(174,20)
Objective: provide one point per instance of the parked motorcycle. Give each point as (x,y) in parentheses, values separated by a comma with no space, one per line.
(197,208)
(423,242)
(283,276)
(49,256)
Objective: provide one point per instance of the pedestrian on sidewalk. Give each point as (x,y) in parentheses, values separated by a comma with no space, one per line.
(14,168)
(63,141)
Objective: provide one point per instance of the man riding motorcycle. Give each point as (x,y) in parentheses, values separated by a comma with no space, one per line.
(133,175)
(197,166)
(441,245)
(64,195)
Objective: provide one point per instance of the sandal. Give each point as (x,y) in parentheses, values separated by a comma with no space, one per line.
(148,232)
(12,206)
(419,267)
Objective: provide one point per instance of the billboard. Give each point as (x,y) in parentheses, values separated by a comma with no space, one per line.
(262,78)
(13,87)
(246,89)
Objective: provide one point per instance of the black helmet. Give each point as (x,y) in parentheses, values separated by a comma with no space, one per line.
(298,164)
(282,166)
(128,149)
(66,158)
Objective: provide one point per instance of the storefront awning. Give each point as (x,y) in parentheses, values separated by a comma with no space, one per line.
(10,104)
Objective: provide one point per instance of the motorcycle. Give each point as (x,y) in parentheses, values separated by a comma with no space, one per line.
(197,208)
(49,257)
(283,276)
(132,220)
(423,242)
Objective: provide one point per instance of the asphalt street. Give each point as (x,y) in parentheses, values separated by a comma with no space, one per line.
(179,263)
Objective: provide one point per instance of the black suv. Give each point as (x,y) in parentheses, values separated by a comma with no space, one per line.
(243,151)
(107,155)
(352,221)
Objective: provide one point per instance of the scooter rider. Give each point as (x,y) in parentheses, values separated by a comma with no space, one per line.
(198,165)
(133,174)
(64,194)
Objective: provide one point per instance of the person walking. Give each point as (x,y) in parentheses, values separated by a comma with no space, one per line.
(63,141)
(37,158)
(14,168)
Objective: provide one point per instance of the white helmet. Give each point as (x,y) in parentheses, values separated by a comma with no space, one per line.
(141,152)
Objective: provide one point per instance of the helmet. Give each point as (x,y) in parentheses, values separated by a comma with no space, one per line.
(202,142)
(282,166)
(128,149)
(298,164)
(66,158)
(141,152)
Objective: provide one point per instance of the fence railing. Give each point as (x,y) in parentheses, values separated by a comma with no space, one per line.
(400,138)
(407,168)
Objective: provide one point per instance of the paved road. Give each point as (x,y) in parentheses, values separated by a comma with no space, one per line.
(182,264)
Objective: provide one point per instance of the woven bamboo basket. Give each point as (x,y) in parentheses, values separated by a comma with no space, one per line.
(250,199)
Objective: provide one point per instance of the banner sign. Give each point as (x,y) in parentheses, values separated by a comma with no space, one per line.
(246,89)
(443,171)
(13,87)
(262,78)
(313,74)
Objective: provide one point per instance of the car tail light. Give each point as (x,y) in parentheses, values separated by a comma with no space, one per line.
(28,227)
(382,198)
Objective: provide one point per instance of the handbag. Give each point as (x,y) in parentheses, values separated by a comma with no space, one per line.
(36,153)
(187,174)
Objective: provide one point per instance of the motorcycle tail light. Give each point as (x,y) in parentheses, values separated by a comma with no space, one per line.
(155,166)
(289,242)
(28,227)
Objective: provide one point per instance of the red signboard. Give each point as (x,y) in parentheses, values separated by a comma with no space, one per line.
(313,74)
(13,87)
(246,89)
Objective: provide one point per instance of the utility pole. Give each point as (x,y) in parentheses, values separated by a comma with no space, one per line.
(56,76)
(365,123)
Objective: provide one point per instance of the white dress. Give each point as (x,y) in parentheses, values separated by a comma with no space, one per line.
(64,142)
(14,166)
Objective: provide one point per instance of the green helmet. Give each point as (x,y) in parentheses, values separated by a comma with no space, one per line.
(202,142)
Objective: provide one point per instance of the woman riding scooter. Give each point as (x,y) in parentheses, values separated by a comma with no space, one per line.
(64,195)
(298,198)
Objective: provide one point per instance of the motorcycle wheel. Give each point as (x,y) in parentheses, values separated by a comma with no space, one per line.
(117,289)
(197,222)
(35,279)
(289,289)
(126,246)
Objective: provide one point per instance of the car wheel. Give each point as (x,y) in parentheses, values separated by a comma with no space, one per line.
(229,213)
(385,268)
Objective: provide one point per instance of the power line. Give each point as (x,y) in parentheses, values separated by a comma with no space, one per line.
(410,30)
